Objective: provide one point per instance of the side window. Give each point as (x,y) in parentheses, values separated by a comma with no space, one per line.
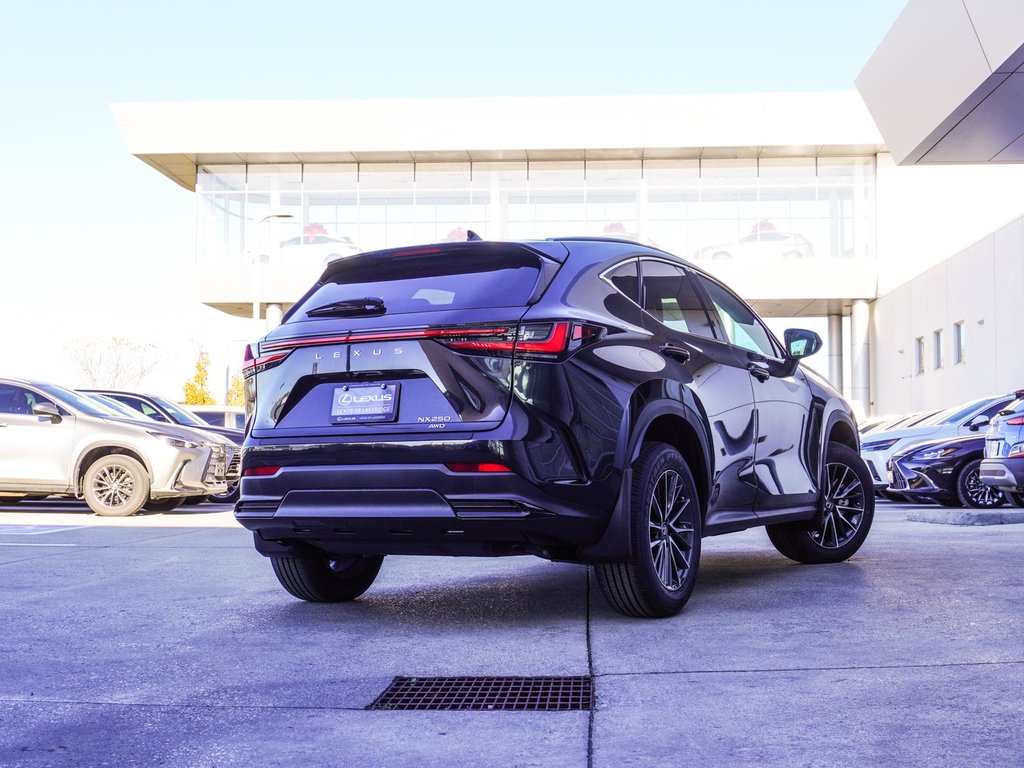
(996,407)
(133,403)
(671,297)
(741,325)
(16,400)
(624,279)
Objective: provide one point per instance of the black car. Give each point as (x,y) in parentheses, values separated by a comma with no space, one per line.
(161,409)
(944,471)
(587,400)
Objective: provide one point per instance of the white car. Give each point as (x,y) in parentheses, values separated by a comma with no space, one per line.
(316,249)
(761,245)
(964,419)
(54,441)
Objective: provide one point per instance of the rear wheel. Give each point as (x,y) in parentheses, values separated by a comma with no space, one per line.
(116,485)
(975,494)
(665,530)
(321,578)
(847,509)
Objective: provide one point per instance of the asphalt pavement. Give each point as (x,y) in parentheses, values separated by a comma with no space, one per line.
(165,640)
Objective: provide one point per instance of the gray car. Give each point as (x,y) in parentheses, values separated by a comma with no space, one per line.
(56,441)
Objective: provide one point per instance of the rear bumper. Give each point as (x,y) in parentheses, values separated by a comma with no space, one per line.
(416,509)
(1004,474)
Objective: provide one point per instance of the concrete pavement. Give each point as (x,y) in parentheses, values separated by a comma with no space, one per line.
(165,640)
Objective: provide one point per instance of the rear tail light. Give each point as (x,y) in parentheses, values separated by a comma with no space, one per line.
(254,365)
(532,340)
(478,467)
(1016,421)
(543,340)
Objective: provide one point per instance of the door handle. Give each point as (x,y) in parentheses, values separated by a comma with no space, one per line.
(759,372)
(676,352)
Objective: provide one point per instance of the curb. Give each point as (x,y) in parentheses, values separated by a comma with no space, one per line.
(967,516)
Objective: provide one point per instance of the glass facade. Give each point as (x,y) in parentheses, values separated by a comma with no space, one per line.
(709,210)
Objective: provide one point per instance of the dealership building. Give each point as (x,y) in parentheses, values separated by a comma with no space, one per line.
(907,248)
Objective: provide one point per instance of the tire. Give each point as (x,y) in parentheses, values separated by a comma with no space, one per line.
(848,510)
(658,579)
(116,485)
(1014,499)
(163,505)
(317,578)
(973,493)
(230,496)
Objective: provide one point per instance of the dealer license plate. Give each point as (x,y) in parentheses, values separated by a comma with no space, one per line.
(358,403)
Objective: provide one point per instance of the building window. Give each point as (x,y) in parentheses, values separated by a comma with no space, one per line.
(919,355)
(937,348)
(959,342)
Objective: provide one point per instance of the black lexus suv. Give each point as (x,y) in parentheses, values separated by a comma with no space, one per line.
(581,399)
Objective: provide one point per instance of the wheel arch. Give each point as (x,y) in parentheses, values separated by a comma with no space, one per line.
(669,420)
(671,424)
(95,452)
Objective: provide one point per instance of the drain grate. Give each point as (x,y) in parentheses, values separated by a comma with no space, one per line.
(487,693)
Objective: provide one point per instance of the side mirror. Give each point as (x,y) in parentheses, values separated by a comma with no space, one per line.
(47,411)
(801,343)
(979,421)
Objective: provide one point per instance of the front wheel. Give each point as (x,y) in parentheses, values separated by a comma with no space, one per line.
(163,505)
(847,509)
(116,485)
(665,529)
(321,578)
(975,494)
(230,496)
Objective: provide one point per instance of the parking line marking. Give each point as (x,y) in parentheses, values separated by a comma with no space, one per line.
(37,530)
(23,544)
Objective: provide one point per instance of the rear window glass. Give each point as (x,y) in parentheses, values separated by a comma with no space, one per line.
(429,279)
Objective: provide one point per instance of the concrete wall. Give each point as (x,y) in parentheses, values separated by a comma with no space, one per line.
(983,286)
(927,213)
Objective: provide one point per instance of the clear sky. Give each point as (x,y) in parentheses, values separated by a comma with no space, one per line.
(97,244)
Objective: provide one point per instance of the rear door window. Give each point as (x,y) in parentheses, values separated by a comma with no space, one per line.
(670,296)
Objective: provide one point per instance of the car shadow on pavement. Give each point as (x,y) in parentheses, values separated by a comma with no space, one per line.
(528,595)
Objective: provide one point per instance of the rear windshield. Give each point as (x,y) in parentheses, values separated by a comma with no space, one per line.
(430,279)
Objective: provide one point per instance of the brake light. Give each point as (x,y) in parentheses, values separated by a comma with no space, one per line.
(259,364)
(260,471)
(1016,421)
(478,467)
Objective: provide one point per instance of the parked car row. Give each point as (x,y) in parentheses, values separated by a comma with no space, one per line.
(91,446)
(937,456)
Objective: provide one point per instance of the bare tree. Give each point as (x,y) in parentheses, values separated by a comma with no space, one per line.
(117,362)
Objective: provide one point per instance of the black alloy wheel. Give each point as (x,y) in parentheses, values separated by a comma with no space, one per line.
(665,528)
(975,494)
(847,509)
